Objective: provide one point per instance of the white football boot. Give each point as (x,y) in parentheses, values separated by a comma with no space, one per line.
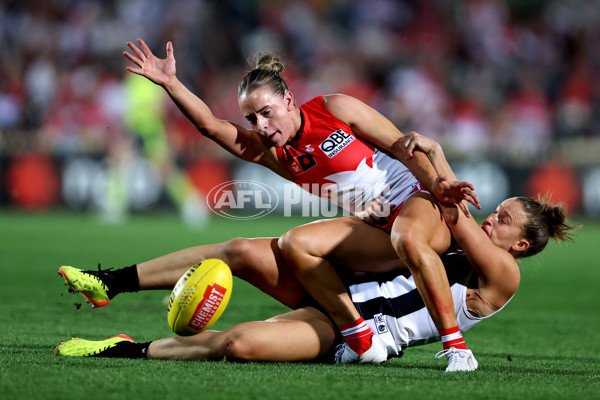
(376,354)
(458,360)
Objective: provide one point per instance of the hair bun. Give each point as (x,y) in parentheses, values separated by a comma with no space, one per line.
(559,227)
(267,69)
(558,223)
(269,61)
(544,220)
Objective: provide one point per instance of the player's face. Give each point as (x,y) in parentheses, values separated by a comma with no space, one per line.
(505,226)
(269,114)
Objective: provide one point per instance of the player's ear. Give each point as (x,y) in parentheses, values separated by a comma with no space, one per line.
(521,245)
(288,98)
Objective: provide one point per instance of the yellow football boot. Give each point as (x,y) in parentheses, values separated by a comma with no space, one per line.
(88,283)
(89,348)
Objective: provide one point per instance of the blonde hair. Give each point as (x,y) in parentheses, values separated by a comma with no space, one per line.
(544,221)
(267,69)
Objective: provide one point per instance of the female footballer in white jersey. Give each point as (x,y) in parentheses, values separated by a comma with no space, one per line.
(483,277)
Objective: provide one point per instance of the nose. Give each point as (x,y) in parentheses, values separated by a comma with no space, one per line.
(488,220)
(262,124)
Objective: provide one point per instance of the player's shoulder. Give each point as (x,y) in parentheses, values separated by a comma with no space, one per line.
(330,101)
(338,99)
(346,108)
(499,287)
(325,107)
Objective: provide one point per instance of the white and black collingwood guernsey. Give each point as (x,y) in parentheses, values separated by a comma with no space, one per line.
(394,309)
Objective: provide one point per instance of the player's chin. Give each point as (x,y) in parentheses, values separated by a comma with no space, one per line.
(278,139)
(278,143)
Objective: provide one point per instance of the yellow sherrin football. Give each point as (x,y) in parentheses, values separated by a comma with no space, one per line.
(199,297)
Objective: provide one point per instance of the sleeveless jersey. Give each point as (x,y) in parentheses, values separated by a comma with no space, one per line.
(394,310)
(330,161)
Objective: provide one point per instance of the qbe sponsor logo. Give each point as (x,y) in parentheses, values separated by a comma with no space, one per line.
(336,143)
(380,323)
(233,196)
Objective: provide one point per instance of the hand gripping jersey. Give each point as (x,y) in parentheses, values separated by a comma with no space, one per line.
(394,309)
(330,161)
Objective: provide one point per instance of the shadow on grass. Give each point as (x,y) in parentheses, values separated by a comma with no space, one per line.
(540,358)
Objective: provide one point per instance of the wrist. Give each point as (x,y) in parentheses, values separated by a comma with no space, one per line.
(172,84)
(435,151)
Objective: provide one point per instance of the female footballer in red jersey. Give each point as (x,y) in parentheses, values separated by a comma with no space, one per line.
(339,144)
(482,270)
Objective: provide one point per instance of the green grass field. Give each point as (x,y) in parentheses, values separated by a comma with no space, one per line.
(544,345)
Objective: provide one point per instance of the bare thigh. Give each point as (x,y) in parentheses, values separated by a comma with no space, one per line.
(257,261)
(421,219)
(345,242)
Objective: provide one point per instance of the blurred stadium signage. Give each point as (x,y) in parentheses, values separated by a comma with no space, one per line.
(88,183)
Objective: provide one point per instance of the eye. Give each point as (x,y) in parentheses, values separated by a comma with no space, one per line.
(504,219)
(251,119)
(266,113)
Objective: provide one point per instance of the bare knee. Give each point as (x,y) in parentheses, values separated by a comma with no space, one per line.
(295,245)
(415,252)
(239,346)
(239,254)
(401,241)
(406,245)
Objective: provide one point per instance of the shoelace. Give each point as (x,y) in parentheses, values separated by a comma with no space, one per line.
(100,270)
(452,351)
(99,275)
(458,359)
(442,353)
(453,355)
(339,350)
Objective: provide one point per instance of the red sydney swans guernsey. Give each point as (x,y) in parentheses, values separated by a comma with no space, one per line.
(329,160)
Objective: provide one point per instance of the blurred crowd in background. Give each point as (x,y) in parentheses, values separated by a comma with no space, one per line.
(516,82)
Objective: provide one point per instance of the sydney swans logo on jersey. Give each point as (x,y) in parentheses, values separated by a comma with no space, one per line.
(302,163)
(336,143)
(255,199)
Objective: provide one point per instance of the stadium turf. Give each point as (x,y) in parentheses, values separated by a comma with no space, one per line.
(544,345)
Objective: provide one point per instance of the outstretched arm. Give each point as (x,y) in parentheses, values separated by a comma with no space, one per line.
(239,141)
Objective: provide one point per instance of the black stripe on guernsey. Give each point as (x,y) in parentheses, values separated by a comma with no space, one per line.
(457,268)
(397,306)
